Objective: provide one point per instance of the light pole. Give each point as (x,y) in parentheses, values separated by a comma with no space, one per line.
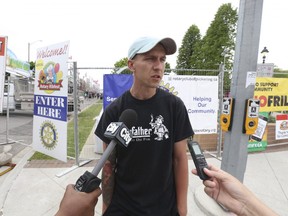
(264,52)
(29,45)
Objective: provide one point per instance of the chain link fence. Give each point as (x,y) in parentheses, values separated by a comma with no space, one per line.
(209,142)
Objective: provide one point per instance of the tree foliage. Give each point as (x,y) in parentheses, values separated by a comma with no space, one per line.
(216,47)
(279,73)
(207,53)
(191,38)
(167,68)
(121,64)
(32,68)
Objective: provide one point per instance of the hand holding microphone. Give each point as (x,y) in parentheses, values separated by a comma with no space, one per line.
(118,132)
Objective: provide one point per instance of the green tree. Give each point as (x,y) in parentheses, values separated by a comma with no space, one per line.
(167,68)
(32,68)
(220,36)
(191,38)
(279,73)
(121,64)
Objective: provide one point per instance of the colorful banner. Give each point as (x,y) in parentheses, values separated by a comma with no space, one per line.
(3,47)
(50,101)
(258,141)
(281,127)
(199,94)
(16,66)
(272,93)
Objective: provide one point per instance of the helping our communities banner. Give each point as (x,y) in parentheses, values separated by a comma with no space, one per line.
(3,48)
(50,101)
(199,94)
(272,93)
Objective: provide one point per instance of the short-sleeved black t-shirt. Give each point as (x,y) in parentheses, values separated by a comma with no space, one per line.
(144,178)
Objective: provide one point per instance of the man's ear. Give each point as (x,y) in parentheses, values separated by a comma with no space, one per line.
(131,65)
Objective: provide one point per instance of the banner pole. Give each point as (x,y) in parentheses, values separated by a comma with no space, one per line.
(8,108)
(75,105)
(76,140)
(7,115)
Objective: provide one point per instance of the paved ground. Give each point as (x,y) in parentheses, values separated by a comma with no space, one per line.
(20,134)
(36,187)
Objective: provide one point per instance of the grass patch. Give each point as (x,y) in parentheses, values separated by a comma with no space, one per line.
(85,125)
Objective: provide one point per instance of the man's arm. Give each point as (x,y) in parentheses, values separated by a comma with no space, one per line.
(108,178)
(75,203)
(181,175)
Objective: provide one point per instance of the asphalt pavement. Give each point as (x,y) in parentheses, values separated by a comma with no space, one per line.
(20,124)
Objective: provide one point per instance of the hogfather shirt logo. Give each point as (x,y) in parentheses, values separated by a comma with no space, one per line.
(158,131)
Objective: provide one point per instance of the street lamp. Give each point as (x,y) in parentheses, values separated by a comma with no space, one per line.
(29,44)
(264,52)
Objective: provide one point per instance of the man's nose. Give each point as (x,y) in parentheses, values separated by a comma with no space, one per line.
(158,64)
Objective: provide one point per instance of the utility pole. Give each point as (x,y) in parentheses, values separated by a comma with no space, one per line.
(29,46)
(235,151)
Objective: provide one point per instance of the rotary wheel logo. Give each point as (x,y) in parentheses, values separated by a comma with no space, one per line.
(48,135)
(168,88)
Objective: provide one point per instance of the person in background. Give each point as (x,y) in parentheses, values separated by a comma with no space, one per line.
(150,176)
(75,203)
(232,194)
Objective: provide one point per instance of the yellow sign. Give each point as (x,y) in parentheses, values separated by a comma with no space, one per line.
(272,93)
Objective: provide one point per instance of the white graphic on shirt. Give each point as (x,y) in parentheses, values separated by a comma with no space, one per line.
(159,129)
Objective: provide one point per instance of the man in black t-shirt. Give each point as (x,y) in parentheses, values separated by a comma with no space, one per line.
(150,176)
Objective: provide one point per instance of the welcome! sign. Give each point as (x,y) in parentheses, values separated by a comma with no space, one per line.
(50,101)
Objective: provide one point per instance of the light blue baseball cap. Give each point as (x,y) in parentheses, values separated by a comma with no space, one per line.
(145,44)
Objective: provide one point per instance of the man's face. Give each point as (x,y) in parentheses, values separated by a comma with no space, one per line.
(148,68)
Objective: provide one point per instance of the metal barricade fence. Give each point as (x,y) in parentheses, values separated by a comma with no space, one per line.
(209,142)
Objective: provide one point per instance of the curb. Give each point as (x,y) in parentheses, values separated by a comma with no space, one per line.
(208,205)
(5,187)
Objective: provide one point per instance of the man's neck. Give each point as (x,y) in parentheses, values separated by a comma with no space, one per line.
(142,94)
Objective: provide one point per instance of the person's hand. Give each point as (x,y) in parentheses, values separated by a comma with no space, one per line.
(232,194)
(75,203)
(225,189)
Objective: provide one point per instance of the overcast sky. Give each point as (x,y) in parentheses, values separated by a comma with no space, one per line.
(101,33)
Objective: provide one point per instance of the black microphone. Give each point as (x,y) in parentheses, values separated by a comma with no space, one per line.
(118,132)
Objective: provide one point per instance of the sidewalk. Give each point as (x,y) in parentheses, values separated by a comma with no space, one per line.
(38,191)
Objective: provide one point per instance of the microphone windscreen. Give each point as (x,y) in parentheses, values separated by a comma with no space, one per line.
(128,117)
